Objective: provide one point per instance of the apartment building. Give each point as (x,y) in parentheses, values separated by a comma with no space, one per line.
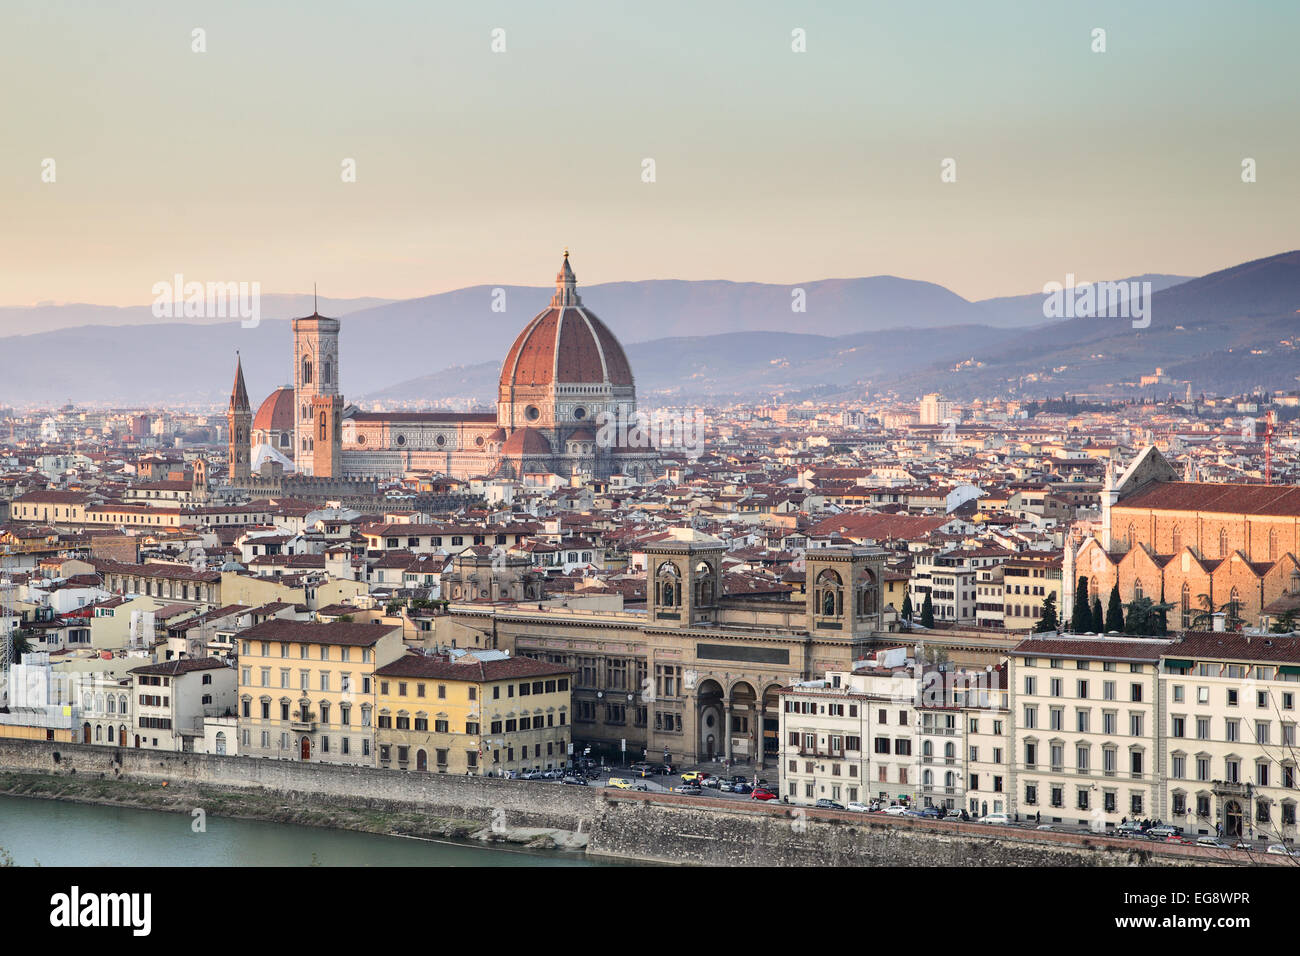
(986,718)
(1027,581)
(823,727)
(477,714)
(307,691)
(1086,717)
(1230,734)
(173,699)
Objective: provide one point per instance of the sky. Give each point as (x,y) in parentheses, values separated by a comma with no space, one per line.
(475,166)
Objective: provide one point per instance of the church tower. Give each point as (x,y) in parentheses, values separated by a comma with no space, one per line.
(240,421)
(316,375)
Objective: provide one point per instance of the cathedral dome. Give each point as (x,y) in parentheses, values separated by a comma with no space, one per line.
(276,413)
(565,345)
(526,441)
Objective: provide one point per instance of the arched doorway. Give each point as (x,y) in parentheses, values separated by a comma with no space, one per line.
(221,743)
(1232,819)
(744,735)
(306,748)
(771,720)
(708,700)
(137,741)
(85,734)
(121,736)
(421,760)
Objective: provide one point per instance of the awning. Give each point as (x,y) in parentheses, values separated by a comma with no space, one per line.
(1289,669)
(1178,665)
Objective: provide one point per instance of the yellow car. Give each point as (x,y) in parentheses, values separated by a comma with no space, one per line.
(694,776)
(618,783)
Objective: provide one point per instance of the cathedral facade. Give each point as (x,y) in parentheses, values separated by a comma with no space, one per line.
(564,389)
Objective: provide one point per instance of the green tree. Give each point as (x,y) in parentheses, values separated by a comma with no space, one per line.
(1098,621)
(1114,612)
(1081,619)
(1144,616)
(906,612)
(927,611)
(1048,620)
(19,646)
(1285,622)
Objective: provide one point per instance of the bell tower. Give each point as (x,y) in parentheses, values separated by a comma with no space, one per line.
(845,591)
(684,579)
(315,373)
(239,418)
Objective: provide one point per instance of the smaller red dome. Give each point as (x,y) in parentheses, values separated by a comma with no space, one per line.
(526,441)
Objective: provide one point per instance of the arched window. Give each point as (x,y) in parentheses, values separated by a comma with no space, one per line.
(927,749)
(1223,542)
(1131,538)
(949,751)
(1137,589)
(306,370)
(324,426)
(1185,606)
(705,589)
(325,371)
(865,598)
(669,585)
(829,594)
(1176,539)
(1272,544)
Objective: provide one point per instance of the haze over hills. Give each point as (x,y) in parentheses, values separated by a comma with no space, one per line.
(691,340)
(51,316)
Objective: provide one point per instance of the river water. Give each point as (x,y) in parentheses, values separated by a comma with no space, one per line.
(55,833)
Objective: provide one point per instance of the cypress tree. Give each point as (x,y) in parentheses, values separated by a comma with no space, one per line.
(1048,620)
(1081,619)
(927,612)
(906,613)
(1098,622)
(1114,611)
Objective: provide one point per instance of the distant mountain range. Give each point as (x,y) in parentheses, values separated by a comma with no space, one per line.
(687,341)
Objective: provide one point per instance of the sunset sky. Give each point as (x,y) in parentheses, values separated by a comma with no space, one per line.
(479,167)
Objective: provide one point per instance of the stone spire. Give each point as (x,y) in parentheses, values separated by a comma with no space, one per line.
(239,394)
(566,285)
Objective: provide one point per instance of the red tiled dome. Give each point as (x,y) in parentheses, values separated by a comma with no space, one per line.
(276,413)
(566,345)
(526,441)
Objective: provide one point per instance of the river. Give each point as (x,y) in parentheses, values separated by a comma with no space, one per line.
(57,833)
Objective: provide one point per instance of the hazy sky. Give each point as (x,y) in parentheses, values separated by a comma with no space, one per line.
(479,167)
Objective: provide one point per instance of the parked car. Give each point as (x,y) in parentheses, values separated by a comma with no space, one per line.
(1045,826)
(739,778)
(998,819)
(1280,849)
(1129,828)
(1163,832)
(690,789)
(1213,843)
(618,783)
(825,804)
(896,811)
(857,807)
(714,782)
(694,776)
(726,786)
(741,788)
(761,794)
(932,812)
(575,781)
(952,815)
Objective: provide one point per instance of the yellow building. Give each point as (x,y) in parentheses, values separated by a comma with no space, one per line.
(472,716)
(307,691)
